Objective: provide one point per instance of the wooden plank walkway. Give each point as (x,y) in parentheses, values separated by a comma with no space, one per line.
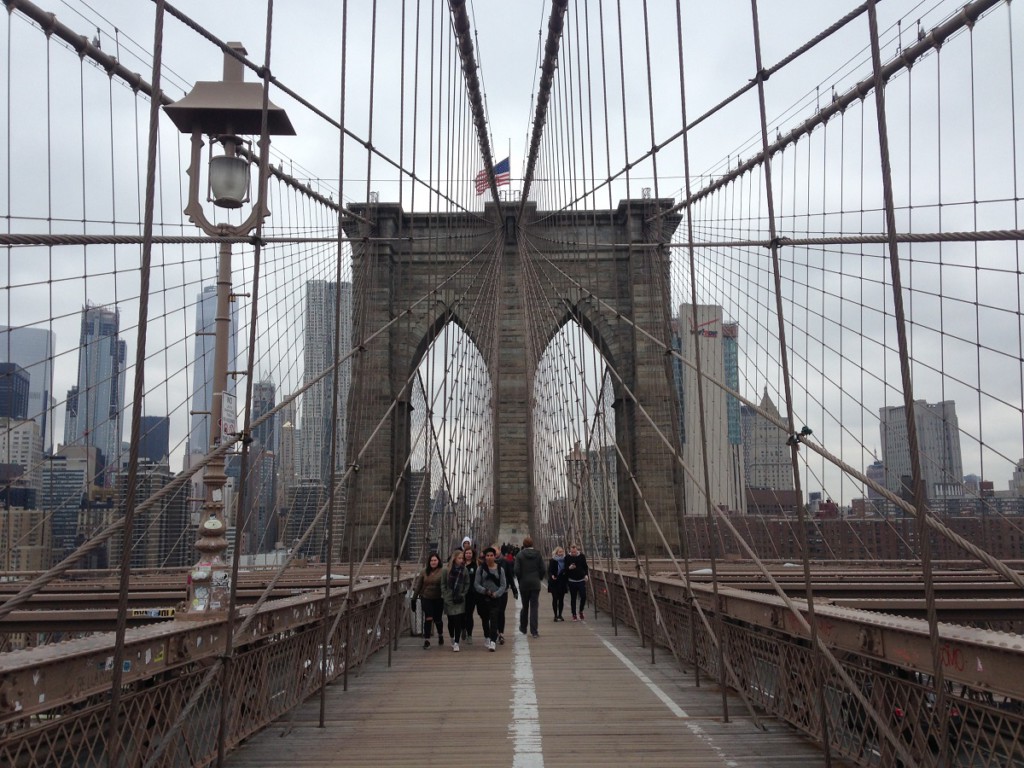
(576,696)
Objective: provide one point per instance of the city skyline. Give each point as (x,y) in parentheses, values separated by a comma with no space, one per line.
(96,314)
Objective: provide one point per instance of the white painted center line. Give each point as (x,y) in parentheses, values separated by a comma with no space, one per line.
(673,707)
(524,730)
(692,725)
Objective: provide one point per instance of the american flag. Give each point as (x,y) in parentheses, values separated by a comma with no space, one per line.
(501,176)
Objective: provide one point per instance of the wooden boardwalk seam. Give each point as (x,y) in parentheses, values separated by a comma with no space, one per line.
(435,707)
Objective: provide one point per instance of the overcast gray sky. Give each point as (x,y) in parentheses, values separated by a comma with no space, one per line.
(719,59)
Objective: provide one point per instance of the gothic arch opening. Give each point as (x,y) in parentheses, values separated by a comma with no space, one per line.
(574,443)
(450,493)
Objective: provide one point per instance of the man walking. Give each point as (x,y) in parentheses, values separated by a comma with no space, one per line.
(490,586)
(530,568)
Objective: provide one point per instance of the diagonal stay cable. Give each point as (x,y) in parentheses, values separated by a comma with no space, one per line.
(548,66)
(463,34)
(936,525)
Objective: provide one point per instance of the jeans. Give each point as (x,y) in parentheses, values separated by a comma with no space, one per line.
(531,599)
(455,627)
(577,589)
(489,609)
(501,612)
(467,620)
(432,611)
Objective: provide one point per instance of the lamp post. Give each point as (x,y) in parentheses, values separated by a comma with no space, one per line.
(223,111)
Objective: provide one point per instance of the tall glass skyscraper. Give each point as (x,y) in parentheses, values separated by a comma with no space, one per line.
(32,349)
(94,405)
(202,368)
(719,353)
(315,446)
(154,439)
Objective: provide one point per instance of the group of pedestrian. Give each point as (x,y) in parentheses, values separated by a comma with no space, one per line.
(465,585)
(459,589)
(568,573)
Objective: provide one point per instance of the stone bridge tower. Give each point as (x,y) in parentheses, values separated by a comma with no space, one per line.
(607,270)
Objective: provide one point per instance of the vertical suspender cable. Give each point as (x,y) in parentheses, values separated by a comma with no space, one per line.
(113,730)
(786,380)
(920,498)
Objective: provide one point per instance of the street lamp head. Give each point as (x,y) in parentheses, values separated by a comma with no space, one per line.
(222,111)
(229,174)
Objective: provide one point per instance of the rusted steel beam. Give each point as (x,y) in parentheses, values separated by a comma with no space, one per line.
(34,680)
(82,620)
(952,610)
(983,659)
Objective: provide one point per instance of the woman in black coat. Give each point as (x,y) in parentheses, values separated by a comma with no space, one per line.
(558,582)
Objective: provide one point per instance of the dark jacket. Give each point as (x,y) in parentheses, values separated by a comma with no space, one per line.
(427,585)
(510,575)
(580,572)
(529,569)
(471,596)
(454,600)
(558,583)
(485,582)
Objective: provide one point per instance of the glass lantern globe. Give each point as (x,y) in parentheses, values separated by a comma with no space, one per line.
(229,180)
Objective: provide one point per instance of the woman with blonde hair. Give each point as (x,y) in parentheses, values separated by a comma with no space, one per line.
(558,582)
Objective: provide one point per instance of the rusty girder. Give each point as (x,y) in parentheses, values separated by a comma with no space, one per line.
(38,679)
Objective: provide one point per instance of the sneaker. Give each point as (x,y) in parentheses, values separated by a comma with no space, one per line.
(535,634)
(455,647)
(522,630)
(491,645)
(426,644)
(582,617)
(468,639)
(501,639)
(574,618)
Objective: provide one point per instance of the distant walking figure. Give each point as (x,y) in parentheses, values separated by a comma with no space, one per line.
(558,582)
(530,573)
(579,575)
(506,561)
(427,588)
(471,596)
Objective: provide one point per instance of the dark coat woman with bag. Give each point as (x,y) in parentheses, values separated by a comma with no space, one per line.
(558,582)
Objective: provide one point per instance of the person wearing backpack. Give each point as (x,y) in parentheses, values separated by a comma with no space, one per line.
(490,586)
(530,569)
